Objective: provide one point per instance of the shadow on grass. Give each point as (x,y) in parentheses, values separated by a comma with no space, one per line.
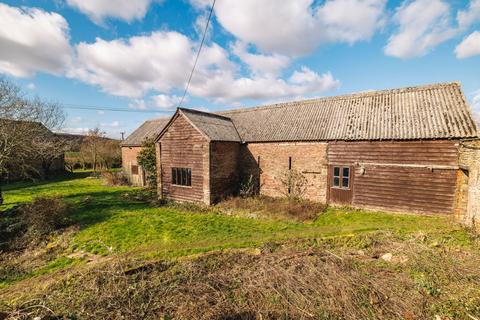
(57,178)
(90,208)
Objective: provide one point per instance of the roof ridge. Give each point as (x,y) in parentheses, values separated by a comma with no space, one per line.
(344,96)
(210,114)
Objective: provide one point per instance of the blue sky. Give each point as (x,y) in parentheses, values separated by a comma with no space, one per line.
(137,55)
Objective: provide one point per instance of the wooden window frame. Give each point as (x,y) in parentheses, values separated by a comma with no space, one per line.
(341,176)
(181,177)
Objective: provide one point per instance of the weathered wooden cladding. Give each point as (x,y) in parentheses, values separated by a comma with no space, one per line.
(409,176)
(433,152)
(182,146)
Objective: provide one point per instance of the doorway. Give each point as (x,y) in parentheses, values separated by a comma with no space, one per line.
(340,184)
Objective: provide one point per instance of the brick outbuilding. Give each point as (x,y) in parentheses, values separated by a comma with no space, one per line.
(395,150)
(133,145)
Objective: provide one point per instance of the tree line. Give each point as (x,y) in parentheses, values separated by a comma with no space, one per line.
(29,147)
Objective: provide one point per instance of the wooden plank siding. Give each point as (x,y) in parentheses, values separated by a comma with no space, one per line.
(183,146)
(407,176)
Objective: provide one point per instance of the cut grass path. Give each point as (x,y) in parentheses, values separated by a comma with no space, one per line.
(107,219)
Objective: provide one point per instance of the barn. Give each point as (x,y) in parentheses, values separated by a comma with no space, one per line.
(404,150)
(132,146)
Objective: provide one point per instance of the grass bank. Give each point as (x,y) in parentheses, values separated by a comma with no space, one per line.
(109,226)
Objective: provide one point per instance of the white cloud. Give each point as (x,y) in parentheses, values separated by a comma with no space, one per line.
(101,112)
(295,27)
(138,104)
(467,17)
(351,20)
(223,87)
(33,40)
(31,86)
(75,130)
(162,61)
(470,46)
(131,67)
(422,25)
(260,64)
(113,124)
(166,102)
(98,10)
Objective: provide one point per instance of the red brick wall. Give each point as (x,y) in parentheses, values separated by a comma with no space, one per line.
(307,157)
(224,169)
(183,146)
(129,158)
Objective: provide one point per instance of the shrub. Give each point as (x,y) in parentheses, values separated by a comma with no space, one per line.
(45,215)
(248,187)
(294,184)
(148,160)
(115,178)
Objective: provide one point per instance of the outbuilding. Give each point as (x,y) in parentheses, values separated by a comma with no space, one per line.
(132,146)
(395,150)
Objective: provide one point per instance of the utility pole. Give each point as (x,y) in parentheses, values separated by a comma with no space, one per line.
(122,133)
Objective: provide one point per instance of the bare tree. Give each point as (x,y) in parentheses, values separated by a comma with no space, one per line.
(109,153)
(91,146)
(22,119)
(293,184)
(50,148)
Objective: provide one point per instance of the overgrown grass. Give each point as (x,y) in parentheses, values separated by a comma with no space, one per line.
(110,222)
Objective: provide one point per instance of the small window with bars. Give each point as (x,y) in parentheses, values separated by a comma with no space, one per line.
(182,176)
(341,177)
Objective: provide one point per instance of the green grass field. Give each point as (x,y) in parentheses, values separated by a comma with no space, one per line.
(107,219)
(109,222)
(121,258)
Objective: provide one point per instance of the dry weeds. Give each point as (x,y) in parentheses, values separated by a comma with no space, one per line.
(313,279)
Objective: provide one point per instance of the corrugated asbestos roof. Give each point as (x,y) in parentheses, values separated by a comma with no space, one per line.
(216,127)
(149,129)
(426,112)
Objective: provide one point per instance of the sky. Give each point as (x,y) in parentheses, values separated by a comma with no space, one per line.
(138,55)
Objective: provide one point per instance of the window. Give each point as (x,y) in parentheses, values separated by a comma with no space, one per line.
(336,177)
(341,177)
(182,176)
(345,177)
(134,169)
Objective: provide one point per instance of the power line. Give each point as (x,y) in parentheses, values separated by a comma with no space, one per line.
(114,109)
(118,109)
(198,54)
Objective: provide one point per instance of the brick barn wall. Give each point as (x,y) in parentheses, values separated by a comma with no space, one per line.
(470,188)
(385,184)
(183,146)
(129,158)
(224,169)
(307,157)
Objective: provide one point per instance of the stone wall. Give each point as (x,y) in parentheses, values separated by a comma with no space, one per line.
(268,161)
(224,169)
(470,183)
(129,158)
